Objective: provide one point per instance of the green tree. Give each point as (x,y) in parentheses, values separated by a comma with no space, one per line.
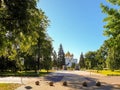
(3,64)
(101,55)
(61,57)
(46,54)
(73,65)
(112,31)
(22,25)
(55,62)
(90,60)
(81,61)
(30,62)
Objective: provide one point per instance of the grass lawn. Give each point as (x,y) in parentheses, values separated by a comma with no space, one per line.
(11,86)
(108,72)
(24,73)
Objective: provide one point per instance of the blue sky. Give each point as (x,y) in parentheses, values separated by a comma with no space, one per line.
(76,24)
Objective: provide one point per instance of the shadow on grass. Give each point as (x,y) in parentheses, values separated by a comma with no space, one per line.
(75,82)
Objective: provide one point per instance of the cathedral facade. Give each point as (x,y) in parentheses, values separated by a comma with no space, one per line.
(69,60)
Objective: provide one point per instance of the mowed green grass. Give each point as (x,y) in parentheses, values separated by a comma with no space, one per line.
(25,73)
(107,72)
(4,86)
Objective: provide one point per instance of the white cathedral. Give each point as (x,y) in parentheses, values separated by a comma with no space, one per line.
(69,60)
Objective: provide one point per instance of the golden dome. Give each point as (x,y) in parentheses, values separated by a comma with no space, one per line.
(68,54)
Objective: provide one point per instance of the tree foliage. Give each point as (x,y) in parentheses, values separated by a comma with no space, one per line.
(107,56)
(90,60)
(46,54)
(97,59)
(23,26)
(81,61)
(55,61)
(61,57)
(112,30)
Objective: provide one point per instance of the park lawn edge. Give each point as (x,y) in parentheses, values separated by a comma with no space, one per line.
(106,72)
(9,86)
(25,73)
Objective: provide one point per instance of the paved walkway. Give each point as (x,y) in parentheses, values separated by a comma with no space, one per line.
(74,79)
(19,80)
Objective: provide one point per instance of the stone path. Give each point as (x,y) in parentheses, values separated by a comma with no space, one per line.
(19,80)
(73,78)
